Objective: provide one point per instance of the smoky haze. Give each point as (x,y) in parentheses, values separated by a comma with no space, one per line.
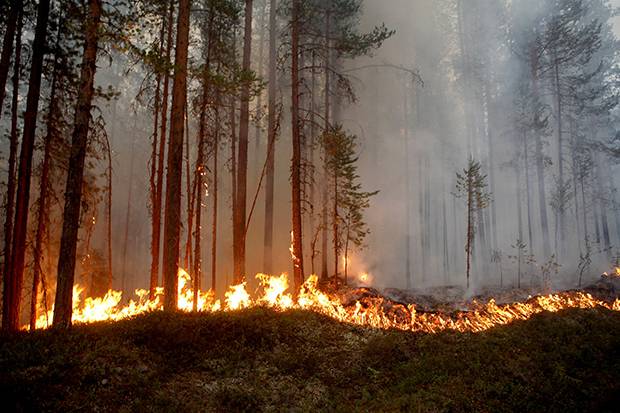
(415,134)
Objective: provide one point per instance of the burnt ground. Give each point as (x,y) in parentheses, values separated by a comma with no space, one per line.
(259,360)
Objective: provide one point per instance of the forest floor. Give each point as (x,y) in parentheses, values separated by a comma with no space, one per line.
(260,360)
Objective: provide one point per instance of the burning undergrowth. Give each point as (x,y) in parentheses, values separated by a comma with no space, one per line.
(359,306)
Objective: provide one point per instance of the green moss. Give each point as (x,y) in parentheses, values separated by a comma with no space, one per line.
(258,360)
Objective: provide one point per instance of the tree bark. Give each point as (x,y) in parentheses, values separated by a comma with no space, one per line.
(172,220)
(216,149)
(326,128)
(73,192)
(7,46)
(132,158)
(10,198)
(271,140)
(297,250)
(13,282)
(159,139)
(242,154)
(42,208)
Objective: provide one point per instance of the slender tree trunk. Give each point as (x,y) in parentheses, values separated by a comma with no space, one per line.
(335,223)
(518,202)
(311,160)
(158,159)
(10,197)
(73,192)
(297,249)
(560,213)
(490,105)
(540,171)
(271,140)
(216,150)
(326,128)
(469,231)
(407,191)
(172,213)
(600,201)
(191,195)
(128,216)
(42,208)
(7,46)
(585,211)
(109,216)
(527,191)
(259,72)
(242,162)
(14,280)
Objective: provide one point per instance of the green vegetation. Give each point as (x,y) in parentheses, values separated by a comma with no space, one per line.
(257,360)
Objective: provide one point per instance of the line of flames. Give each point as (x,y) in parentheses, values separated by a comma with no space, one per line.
(273,293)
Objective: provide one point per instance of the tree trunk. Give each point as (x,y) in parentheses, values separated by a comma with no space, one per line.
(42,208)
(190,195)
(10,197)
(7,46)
(242,154)
(259,72)
(271,141)
(172,219)
(109,216)
(159,160)
(13,281)
(297,249)
(326,128)
(128,216)
(470,228)
(528,192)
(216,149)
(73,192)
(561,226)
(407,192)
(335,223)
(540,171)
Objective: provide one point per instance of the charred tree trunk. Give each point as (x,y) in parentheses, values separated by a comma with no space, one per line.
(73,192)
(297,250)
(239,219)
(271,142)
(13,281)
(172,220)
(7,46)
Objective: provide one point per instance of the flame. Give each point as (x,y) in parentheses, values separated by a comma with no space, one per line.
(373,312)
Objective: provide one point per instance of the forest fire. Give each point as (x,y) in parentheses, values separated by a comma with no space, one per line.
(376,312)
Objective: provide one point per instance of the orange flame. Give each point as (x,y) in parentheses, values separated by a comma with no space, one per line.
(373,312)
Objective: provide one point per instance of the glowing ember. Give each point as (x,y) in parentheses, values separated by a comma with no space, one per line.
(273,293)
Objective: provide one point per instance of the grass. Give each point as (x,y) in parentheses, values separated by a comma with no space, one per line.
(258,360)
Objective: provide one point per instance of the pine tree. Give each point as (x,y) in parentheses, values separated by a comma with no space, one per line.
(348,199)
(471,186)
